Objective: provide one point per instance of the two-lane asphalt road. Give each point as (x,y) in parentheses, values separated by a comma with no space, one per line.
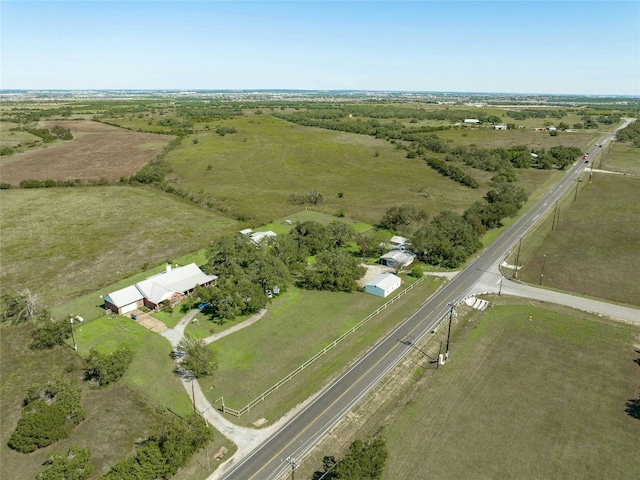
(298,436)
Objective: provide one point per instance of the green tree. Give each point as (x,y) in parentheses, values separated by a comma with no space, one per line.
(50,333)
(398,218)
(311,236)
(335,270)
(107,368)
(448,240)
(197,358)
(49,414)
(340,233)
(364,461)
(70,465)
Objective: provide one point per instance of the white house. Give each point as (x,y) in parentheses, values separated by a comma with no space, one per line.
(172,284)
(500,126)
(383,285)
(472,121)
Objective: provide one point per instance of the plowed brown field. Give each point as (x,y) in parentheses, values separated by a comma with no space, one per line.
(97,150)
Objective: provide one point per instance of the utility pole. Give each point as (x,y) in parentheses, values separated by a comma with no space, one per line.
(555,210)
(575,197)
(500,290)
(515,267)
(451,304)
(544,258)
(294,465)
(73,335)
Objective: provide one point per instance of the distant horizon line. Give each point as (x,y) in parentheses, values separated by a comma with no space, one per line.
(4,91)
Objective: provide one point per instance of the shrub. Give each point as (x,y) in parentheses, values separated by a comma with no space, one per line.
(107,368)
(49,414)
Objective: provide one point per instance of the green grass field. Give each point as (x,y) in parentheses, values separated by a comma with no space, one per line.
(66,242)
(595,236)
(254,172)
(298,325)
(530,391)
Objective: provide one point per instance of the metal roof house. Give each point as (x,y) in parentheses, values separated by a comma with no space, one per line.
(383,285)
(397,258)
(172,285)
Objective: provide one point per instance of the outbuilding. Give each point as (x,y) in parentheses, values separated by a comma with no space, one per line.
(383,285)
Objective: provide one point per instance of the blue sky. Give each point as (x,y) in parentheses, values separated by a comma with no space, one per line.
(572,47)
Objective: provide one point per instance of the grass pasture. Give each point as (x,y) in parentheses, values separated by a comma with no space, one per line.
(595,236)
(621,157)
(66,242)
(97,150)
(531,391)
(254,172)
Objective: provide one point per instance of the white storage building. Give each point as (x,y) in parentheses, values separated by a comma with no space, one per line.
(383,285)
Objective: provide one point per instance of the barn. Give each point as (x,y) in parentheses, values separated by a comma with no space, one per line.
(383,285)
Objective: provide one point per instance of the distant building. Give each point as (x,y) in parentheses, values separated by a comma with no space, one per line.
(383,285)
(500,126)
(472,121)
(397,241)
(246,231)
(259,237)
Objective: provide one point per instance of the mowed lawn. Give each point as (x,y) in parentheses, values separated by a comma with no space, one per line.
(299,324)
(65,242)
(593,249)
(531,393)
(254,172)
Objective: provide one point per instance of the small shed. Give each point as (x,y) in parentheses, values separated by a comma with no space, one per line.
(397,241)
(383,285)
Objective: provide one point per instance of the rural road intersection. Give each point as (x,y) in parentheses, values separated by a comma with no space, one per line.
(261,452)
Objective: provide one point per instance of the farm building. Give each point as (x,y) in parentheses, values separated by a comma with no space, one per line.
(472,121)
(500,126)
(383,285)
(172,285)
(397,258)
(258,237)
(397,241)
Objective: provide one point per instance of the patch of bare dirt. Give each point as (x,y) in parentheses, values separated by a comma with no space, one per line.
(97,150)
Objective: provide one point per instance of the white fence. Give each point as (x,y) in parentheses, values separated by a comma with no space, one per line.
(275,387)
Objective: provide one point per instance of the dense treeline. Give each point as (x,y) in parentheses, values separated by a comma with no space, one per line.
(631,133)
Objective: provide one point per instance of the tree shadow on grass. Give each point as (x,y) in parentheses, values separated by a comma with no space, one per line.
(633,408)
